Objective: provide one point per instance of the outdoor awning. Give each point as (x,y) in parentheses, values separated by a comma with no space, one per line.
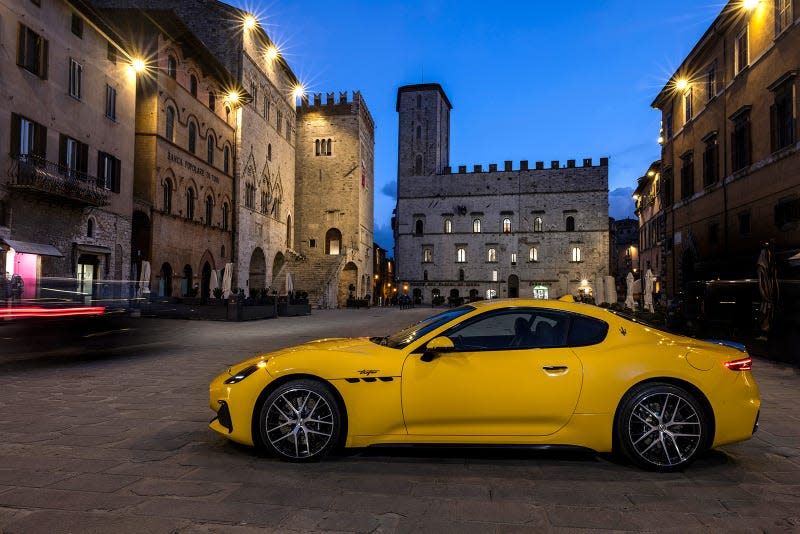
(32,248)
(794,261)
(93,249)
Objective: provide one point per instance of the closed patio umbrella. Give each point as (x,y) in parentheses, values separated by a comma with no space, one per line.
(227,276)
(144,279)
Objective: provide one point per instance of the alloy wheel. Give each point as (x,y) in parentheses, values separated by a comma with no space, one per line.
(299,423)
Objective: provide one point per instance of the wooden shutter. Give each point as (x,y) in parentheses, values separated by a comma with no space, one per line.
(115,184)
(774,128)
(83,158)
(21,45)
(62,150)
(39,140)
(100,169)
(43,58)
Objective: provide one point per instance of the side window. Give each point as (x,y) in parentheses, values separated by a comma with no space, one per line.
(586,331)
(491,331)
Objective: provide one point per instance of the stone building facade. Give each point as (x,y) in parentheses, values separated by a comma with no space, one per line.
(335,192)
(531,232)
(183,183)
(730,155)
(652,225)
(68,94)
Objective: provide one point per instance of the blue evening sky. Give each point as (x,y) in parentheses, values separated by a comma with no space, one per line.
(528,80)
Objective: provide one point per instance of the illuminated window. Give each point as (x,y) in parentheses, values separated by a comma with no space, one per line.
(576,254)
(172,67)
(687,105)
(783,15)
(506,226)
(513,258)
(494,276)
(448,226)
(491,255)
(476,226)
(427,255)
(533,254)
(75,79)
(461,255)
(537,224)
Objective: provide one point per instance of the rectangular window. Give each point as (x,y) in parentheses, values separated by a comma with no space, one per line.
(494,276)
(108,172)
(787,212)
(783,15)
(687,105)
(666,187)
(32,52)
(668,126)
(75,78)
(742,52)
(77,25)
(513,258)
(744,224)
(73,157)
(427,255)
(687,176)
(713,233)
(740,140)
(783,123)
(111,102)
(711,81)
(28,138)
(279,124)
(711,160)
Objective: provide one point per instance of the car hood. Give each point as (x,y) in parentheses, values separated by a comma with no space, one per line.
(337,358)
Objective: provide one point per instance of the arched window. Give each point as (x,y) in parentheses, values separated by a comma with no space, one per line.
(210,154)
(226,160)
(418,227)
(491,255)
(192,137)
(461,276)
(317,151)
(193,85)
(167,196)
(419,133)
(333,242)
(537,224)
(419,101)
(172,67)
(476,226)
(225,210)
(461,255)
(269,151)
(576,254)
(329,148)
(533,254)
(209,210)
(212,100)
(169,132)
(506,225)
(425,275)
(570,224)
(190,203)
(448,226)
(90,228)
(418,165)
(427,255)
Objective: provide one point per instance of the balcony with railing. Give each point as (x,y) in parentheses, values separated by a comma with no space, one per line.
(37,175)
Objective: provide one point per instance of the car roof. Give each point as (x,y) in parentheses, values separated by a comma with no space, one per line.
(574,307)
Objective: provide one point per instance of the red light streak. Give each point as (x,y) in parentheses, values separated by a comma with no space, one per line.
(33,311)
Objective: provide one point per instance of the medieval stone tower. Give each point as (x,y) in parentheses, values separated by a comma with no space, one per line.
(424,135)
(334,200)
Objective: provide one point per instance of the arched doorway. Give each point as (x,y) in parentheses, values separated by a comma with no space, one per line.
(257,274)
(348,281)
(513,286)
(165,281)
(333,242)
(288,231)
(186,282)
(473,295)
(417,295)
(205,283)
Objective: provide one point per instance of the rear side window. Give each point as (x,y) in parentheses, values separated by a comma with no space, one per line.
(586,331)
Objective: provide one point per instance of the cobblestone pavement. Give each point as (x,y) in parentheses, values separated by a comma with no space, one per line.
(116,441)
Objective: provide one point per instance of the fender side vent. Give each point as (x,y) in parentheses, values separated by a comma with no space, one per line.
(351,380)
(370,379)
(385,378)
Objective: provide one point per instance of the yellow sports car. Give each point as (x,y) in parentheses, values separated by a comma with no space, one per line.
(513,372)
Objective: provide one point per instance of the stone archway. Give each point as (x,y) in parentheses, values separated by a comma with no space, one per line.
(348,284)
(165,281)
(513,286)
(277,265)
(257,273)
(333,242)
(205,283)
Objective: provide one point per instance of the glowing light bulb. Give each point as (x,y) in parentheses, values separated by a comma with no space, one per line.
(249,22)
(298,91)
(750,5)
(233,97)
(682,84)
(138,65)
(272,53)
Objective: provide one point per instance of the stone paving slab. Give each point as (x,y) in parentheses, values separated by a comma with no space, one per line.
(117,441)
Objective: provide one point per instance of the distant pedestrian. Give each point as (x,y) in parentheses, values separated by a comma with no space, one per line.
(17,287)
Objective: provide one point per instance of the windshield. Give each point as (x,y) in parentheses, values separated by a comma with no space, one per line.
(415,331)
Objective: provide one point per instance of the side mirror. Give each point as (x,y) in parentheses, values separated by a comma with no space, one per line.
(437,345)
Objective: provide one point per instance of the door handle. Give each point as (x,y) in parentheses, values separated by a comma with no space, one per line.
(555,368)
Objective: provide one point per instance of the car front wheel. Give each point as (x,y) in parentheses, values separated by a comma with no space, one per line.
(661,427)
(300,421)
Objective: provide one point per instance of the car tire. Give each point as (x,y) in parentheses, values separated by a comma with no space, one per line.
(661,427)
(300,421)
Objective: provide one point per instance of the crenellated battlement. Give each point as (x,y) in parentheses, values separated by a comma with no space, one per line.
(524,166)
(347,103)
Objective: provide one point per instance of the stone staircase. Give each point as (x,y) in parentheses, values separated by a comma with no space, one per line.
(318,277)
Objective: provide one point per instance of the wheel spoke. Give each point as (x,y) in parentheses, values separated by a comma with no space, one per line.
(644,435)
(310,426)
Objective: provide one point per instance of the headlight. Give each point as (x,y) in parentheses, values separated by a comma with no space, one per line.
(244,373)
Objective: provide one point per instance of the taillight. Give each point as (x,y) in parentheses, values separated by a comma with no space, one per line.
(744,364)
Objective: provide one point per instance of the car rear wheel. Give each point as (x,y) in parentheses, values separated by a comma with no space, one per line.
(661,427)
(300,421)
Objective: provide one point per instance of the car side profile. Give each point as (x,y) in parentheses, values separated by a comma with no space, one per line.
(500,372)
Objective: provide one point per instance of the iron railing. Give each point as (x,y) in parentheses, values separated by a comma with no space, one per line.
(37,174)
